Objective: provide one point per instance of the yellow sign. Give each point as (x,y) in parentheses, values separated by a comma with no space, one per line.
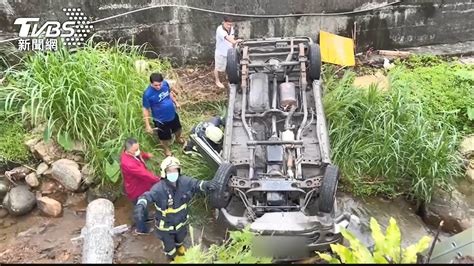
(336,49)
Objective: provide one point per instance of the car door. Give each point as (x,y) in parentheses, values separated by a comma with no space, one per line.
(208,153)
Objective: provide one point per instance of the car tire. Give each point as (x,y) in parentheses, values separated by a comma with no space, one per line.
(327,191)
(314,62)
(221,196)
(233,66)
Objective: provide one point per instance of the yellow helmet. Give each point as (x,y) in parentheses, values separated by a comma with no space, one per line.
(169,162)
(214,133)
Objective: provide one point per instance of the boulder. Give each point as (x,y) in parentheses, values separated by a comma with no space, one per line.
(47,152)
(4,187)
(3,213)
(49,206)
(17,173)
(67,173)
(32,180)
(449,207)
(42,167)
(20,200)
(74,157)
(467,147)
(31,143)
(87,174)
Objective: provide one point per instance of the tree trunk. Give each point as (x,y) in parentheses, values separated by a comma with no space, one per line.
(98,246)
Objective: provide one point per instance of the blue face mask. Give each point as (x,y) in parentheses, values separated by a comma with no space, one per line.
(172,177)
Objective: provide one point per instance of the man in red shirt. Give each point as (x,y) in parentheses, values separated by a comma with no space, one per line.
(136,177)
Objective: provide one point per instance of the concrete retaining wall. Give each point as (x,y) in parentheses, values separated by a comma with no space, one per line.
(187,36)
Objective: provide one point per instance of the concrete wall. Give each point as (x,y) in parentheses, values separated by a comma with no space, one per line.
(188,36)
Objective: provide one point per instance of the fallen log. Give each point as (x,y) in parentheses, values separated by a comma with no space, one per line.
(98,246)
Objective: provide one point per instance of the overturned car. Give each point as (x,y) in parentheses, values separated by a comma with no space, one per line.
(275,172)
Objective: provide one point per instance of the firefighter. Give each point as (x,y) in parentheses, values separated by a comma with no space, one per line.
(171,197)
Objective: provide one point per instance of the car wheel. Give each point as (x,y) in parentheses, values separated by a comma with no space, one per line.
(327,192)
(314,62)
(233,66)
(221,196)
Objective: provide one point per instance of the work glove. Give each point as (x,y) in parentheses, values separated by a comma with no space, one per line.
(139,212)
(209,185)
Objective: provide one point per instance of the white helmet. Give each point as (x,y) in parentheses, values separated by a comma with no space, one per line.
(168,162)
(214,133)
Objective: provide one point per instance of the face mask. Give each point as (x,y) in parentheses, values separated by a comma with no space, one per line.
(172,177)
(137,153)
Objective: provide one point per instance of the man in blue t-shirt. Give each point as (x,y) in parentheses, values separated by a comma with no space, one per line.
(158,98)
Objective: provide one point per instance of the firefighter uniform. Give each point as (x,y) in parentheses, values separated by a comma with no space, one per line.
(171,203)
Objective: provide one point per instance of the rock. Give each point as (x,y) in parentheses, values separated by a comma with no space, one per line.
(87,174)
(17,173)
(42,167)
(102,192)
(20,200)
(39,129)
(75,198)
(467,146)
(470,173)
(3,213)
(4,187)
(451,208)
(78,147)
(49,206)
(31,143)
(47,152)
(74,157)
(50,186)
(32,180)
(67,173)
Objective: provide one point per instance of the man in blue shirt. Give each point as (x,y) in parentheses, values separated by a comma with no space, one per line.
(158,98)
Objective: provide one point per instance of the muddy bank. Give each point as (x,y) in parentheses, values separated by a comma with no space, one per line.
(35,238)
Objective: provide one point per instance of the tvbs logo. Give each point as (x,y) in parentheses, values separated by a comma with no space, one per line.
(36,36)
(50,29)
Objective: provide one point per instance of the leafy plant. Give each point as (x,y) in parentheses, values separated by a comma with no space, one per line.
(236,249)
(387,248)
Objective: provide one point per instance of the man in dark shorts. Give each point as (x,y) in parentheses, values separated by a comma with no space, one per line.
(158,98)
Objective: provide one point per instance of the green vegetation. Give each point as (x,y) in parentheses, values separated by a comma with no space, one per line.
(93,95)
(445,89)
(387,248)
(12,136)
(399,141)
(236,249)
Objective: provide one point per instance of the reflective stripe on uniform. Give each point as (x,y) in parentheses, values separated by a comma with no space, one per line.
(200,185)
(142,200)
(171,210)
(161,226)
(171,253)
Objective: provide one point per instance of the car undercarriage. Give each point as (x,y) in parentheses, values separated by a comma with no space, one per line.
(275,173)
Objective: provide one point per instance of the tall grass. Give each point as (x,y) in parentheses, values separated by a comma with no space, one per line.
(384,143)
(92,95)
